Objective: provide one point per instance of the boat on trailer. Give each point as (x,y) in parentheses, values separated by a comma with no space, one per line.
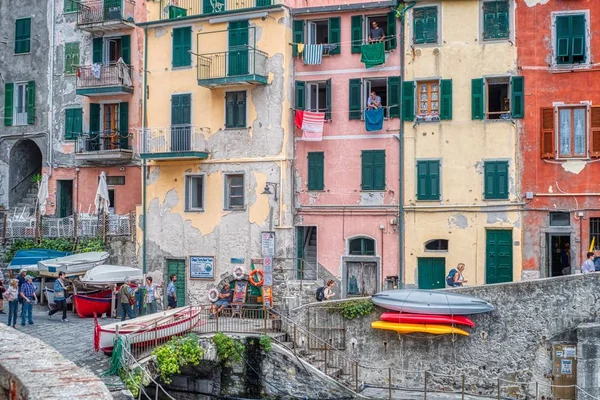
(153,328)
(73,264)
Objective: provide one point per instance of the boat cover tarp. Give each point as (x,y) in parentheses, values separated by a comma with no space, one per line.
(30,257)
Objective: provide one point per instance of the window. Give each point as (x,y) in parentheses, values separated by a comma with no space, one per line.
(570,31)
(362,247)
(70,6)
(234,192)
(572,137)
(560,219)
(314,96)
(498,98)
(108,50)
(182,44)
(436,245)
(572,132)
(433,103)
(496,180)
(111,201)
(425,25)
(19,103)
(325,31)
(71,57)
(110,118)
(495,20)
(73,123)
(388,89)
(595,231)
(109,126)
(316,170)
(361,30)
(429,101)
(235,109)
(428,180)
(115,180)
(194,193)
(23,36)
(373,170)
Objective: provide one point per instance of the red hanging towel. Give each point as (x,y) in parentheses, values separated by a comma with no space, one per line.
(299,118)
(312,126)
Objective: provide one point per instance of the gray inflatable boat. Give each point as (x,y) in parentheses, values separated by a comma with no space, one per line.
(437,302)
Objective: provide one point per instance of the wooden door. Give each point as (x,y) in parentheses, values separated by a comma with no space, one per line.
(177,267)
(432,272)
(361,278)
(65,198)
(499,256)
(564,371)
(181,118)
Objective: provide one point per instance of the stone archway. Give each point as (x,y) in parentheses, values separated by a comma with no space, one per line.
(25,160)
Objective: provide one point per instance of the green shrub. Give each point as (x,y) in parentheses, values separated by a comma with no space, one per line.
(176,353)
(133,380)
(266,343)
(58,244)
(229,350)
(356,309)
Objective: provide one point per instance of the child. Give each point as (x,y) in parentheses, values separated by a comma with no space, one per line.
(11,295)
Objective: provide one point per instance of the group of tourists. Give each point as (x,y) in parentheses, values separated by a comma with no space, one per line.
(20,291)
(130,301)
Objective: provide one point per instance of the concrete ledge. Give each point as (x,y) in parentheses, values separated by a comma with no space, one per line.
(30,369)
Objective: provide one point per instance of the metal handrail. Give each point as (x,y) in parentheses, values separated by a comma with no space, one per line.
(108,140)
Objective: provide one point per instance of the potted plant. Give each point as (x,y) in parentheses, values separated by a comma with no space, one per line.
(36,179)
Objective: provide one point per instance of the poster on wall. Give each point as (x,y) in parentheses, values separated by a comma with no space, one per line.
(268,244)
(267,296)
(202,267)
(268,270)
(566,367)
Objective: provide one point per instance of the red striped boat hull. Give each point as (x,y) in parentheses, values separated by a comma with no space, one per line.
(88,305)
(406,318)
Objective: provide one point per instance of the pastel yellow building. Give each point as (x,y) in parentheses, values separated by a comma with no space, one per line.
(216,140)
(462,105)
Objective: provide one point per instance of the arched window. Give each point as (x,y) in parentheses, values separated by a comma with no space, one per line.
(362,247)
(436,245)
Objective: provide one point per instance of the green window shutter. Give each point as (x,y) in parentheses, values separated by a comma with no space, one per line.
(489,172)
(73,123)
(71,57)
(517,102)
(431,25)
(496,180)
(297,35)
(495,20)
(408,100)
(328,99)
(578,38)
(502,20)
(241,108)
(379,169)
(69,125)
(263,3)
(422,175)
(367,170)
(428,180)
(477,104)
(316,170)
(235,109)
(355,99)
(425,25)
(334,34)
(563,39)
(9,92)
(391,31)
(419,26)
(229,110)
(502,179)
(31,102)
(70,6)
(356,23)
(23,35)
(182,44)
(177,12)
(300,95)
(97,50)
(126,49)
(434,179)
(207,7)
(94,118)
(393,96)
(124,125)
(446,99)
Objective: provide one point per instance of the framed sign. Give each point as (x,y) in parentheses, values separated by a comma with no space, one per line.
(202,267)
(268,244)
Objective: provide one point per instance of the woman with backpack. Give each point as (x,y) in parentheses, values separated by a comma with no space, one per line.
(326,292)
(455,277)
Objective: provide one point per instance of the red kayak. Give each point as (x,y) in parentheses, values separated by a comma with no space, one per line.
(406,318)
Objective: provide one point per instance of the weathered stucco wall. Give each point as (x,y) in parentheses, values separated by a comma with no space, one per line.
(462,215)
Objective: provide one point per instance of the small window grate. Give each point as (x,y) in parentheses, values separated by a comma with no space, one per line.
(560,219)
(595,232)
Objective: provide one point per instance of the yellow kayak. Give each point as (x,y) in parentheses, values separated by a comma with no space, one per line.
(413,328)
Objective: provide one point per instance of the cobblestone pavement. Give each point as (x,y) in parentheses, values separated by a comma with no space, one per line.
(73,339)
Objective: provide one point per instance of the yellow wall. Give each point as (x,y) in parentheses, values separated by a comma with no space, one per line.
(462,216)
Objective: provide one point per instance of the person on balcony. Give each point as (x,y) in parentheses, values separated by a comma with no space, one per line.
(376,33)
(374,101)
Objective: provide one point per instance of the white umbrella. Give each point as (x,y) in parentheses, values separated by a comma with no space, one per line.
(102,202)
(42,195)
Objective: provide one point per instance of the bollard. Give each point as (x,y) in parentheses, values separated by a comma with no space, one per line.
(537,391)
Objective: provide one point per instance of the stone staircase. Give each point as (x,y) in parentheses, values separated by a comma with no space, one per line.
(27,203)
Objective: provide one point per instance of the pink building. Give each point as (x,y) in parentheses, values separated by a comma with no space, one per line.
(347,183)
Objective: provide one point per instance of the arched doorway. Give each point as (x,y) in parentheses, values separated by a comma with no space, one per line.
(25,161)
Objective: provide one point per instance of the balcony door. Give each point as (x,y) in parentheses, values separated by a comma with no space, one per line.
(238,60)
(181,118)
(112,10)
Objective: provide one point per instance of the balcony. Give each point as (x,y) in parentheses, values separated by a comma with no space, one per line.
(230,68)
(177,142)
(171,9)
(100,147)
(105,15)
(104,79)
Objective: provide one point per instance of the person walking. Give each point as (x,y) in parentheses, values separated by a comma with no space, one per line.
(21,280)
(150,287)
(60,297)
(2,291)
(328,293)
(11,295)
(127,300)
(28,295)
(455,277)
(588,265)
(172,293)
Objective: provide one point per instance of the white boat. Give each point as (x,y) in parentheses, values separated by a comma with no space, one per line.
(151,328)
(75,263)
(436,302)
(107,274)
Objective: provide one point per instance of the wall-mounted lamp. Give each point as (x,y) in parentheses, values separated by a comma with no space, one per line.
(268,190)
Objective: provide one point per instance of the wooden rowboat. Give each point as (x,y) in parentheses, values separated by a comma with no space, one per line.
(147,329)
(90,304)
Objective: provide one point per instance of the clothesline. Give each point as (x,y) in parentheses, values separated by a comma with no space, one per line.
(339,112)
(365,41)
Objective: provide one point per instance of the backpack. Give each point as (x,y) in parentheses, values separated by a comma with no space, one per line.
(450,277)
(320,295)
(597,264)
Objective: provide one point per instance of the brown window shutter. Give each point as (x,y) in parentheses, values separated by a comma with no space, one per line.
(595,132)
(547,144)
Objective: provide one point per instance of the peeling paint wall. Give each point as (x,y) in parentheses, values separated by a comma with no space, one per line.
(462,216)
(261,152)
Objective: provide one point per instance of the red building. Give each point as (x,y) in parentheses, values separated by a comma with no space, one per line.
(558,46)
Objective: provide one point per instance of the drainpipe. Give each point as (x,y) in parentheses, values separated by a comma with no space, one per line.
(401,154)
(50,158)
(144,171)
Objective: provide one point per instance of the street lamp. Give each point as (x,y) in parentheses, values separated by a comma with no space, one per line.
(267,190)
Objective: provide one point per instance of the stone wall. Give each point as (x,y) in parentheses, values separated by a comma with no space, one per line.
(513,342)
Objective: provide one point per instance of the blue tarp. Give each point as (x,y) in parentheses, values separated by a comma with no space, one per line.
(30,257)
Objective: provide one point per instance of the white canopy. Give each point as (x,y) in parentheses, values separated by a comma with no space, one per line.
(42,195)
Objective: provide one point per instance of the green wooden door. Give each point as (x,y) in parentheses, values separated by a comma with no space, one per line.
(238,49)
(432,273)
(177,267)
(499,256)
(181,117)
(65,198)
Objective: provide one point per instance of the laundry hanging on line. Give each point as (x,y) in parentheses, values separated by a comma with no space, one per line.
(298,118)
(372,54)
(313,54)
(97,70)
(312,124)
(374,119)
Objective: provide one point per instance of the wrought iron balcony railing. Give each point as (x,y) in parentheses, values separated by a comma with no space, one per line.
(171,9)
(245,64)
(176,141)
(93,14)
(104,146)
(99,79)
